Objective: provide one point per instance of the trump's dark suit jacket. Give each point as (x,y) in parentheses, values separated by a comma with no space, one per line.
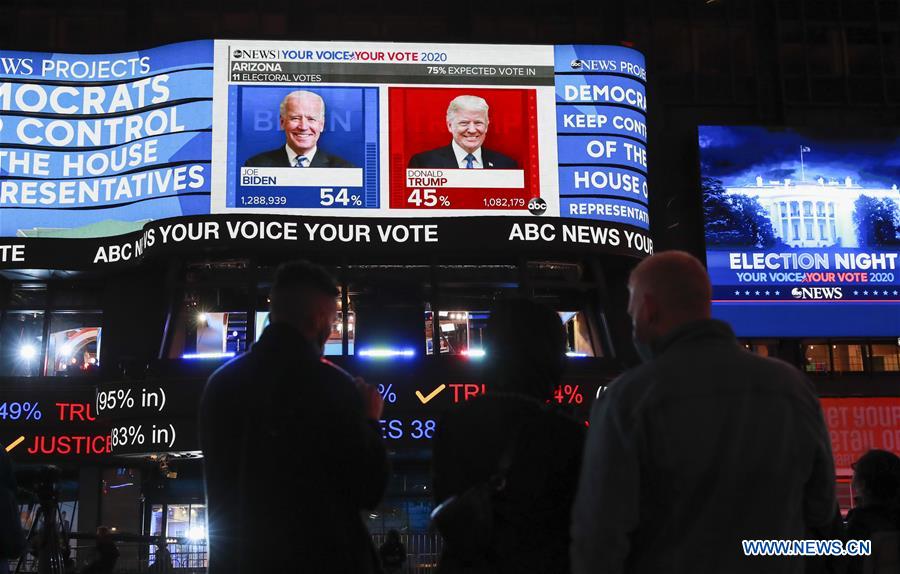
(443,157)
(279,158)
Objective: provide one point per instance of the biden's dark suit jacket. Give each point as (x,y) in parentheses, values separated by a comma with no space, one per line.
(443,157)
(279,158)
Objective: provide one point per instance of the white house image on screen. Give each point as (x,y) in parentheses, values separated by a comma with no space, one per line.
(812,213)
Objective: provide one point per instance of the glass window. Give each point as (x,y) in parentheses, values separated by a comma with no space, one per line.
(74,344)
(211,323)
(21,344)
(820,209)
(809,230)
(807,208)
(848,358)
(816,357)
(795,208)
(885,357)
(796,229)
(578,334)
(28,296)
(121,487)
(822,230)
(462,332)
(763,348)
(334,345)
(187,521)
(156,529)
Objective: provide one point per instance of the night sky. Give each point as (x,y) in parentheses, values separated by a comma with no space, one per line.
(737,154)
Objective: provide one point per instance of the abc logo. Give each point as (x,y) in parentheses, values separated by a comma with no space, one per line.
(537,206)
(577,64)
(796,293)
(236,55)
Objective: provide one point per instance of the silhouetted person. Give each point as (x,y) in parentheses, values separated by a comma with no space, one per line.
(162,561)
(392,553)
(525,347)
(105,554)
(702,446)
(876,516)
(12,537)
(288,438)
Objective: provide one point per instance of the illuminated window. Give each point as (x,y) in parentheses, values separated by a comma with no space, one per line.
(822,230)
(807,208)
(74,344)
(578,335)
(460,332)
(21,344)
(795,208)
(212,322)
(816,357)
(885,357)
(809,230)
(848,358)
(763,348)
(820,209)
(795,227)
(334,345)
(186,522)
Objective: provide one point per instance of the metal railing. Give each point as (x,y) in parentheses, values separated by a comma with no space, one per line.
(137,557)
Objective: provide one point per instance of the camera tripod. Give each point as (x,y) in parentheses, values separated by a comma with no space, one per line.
(48,539)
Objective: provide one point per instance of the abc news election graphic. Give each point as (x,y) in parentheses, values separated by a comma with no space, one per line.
(803,230)
(38,425)
(111,146)
(601,107)
(378,129)
(149,417)
(99,145)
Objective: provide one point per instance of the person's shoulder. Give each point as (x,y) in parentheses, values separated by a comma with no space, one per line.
(230,374)
(496,160)
(330,378)
(777,376)
(635,383)
(272,158)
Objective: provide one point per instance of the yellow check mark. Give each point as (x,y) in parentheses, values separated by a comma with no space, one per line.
(15,443)
(431,395)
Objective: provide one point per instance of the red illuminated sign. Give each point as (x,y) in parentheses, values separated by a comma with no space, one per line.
(857,425)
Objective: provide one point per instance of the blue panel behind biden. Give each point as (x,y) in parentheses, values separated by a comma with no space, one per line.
(342,136)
